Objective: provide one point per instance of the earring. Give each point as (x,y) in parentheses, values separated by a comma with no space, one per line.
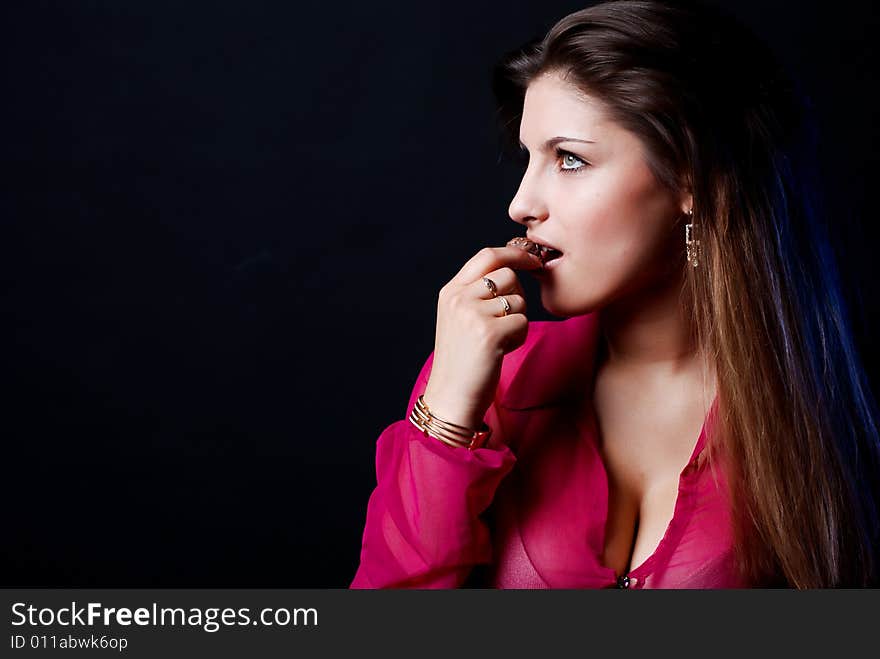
(692,245)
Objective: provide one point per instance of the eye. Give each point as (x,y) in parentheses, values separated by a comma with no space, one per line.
(570,161)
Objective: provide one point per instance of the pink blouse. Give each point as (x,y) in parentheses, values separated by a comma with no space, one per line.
(529,510)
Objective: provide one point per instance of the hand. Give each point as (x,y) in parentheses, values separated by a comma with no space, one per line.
(473,334)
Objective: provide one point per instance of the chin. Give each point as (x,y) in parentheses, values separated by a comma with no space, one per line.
(562,308)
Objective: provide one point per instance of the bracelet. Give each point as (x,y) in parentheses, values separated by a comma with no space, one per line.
(451,434)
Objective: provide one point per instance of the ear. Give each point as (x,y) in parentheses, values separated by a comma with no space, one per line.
(686,203)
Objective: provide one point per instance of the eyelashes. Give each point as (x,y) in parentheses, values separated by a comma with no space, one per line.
(560,154)
(566,167)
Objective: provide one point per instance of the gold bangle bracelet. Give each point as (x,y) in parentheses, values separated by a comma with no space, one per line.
(456,437)
(439,435)
(429,420)
(465,433)
(451,434)
(423,407)
(431,431)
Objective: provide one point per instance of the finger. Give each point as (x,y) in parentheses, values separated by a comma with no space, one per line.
(496,306)
(504,279)
(492,258)
(517,289)
(514,328)
(506,283)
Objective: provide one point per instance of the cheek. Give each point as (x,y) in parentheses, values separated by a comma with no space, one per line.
(592,212)
(621,221)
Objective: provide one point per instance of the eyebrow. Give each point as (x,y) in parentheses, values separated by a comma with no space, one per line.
(553,141)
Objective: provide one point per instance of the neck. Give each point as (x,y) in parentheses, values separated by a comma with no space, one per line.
(649,330)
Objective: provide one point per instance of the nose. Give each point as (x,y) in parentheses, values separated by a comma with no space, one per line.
(528,204)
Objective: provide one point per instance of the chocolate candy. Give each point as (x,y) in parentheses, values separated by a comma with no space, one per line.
(531,247)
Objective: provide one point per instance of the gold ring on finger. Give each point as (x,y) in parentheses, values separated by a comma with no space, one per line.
(491,286)
(506,304)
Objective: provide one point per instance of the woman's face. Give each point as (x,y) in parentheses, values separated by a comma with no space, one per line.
(596,202)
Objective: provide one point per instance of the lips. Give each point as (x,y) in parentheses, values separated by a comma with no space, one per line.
(541,250)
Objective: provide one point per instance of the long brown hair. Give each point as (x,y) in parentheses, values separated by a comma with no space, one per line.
(719,117)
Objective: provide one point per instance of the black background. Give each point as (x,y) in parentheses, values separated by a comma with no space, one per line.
(224,227)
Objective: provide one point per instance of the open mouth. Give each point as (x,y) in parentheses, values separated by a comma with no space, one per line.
(543,252)
(550,254)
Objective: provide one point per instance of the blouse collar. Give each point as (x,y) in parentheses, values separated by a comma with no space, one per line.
(557,365)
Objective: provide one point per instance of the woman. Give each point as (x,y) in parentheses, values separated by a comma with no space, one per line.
(700,419)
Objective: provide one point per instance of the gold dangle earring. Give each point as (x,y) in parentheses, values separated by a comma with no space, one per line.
(692,245)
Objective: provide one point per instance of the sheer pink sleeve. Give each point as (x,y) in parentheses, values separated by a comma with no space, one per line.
(424,526)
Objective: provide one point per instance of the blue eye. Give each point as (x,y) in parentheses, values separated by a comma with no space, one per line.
(568,158)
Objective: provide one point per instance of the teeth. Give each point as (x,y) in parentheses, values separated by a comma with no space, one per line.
(541,251)
(531,247)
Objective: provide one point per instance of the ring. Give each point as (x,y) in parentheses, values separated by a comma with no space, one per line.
(491,286)
(506,304)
